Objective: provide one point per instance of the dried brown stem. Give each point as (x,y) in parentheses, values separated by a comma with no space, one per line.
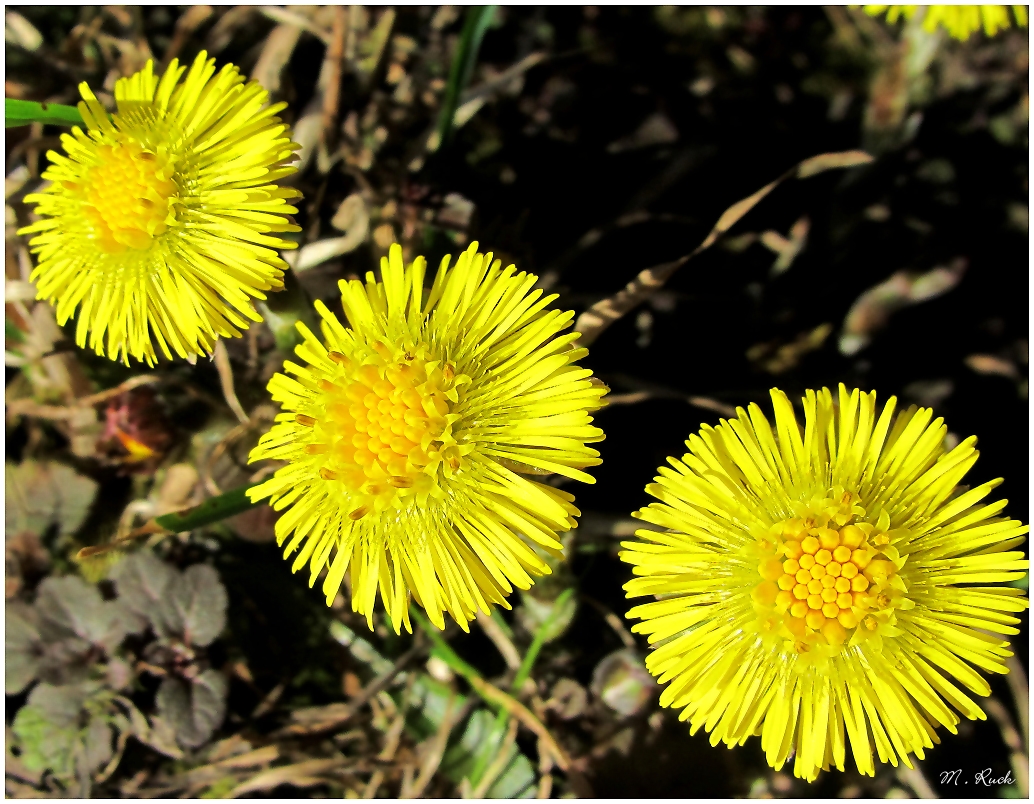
(1012,739)
(434,755)
(334,61)
(515,708)
(499,638)
(605,312)
(222,365)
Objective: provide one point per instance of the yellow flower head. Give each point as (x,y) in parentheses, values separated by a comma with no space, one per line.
(959,21)
(159,220)
(825,586)
(407,436)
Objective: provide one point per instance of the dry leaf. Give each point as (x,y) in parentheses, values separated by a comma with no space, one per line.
(873,308)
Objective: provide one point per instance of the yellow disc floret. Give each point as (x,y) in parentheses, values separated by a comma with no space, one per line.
(387,432)
(837,587)
(126,196)
(823,571)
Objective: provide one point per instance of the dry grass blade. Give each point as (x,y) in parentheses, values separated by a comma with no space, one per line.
(27,407)
(1017,680)
(222,365)
(499,638)
(276,53)
(913,777)
(325,718)
(605,312)
(516,709)
(205,775)
(191,19)
(435,752)
(1011,737)
(286,17)
(334,65)
(300,774)
(613,621)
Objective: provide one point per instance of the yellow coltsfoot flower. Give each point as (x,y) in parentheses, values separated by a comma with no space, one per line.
(825,586)
(160,223)
(959,21)
(407,436)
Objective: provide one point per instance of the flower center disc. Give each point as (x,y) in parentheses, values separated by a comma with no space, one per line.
(387,430)
(126,197)
(826,581)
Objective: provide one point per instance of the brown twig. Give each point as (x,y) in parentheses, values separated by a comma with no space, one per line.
(605,312)
(27,407)
(334,61)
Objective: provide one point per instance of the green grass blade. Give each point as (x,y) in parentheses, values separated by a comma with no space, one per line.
(213,509)
(22,113)
(462,68)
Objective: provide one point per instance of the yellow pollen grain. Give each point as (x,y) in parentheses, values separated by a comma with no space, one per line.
(814,602)
(787,582)
(799,609)
(807,561)
(803,576)
(829,596)
(844,600)
(833,568)
(847,619)
(815,619)
(818,571)
(859,583)
(830,610)
(790,566)
(842,585)
(810,545)
(800,591)
(823,557)
(793,550)
(848,571)
(828,582)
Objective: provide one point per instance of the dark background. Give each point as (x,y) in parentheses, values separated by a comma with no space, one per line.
(541,171)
